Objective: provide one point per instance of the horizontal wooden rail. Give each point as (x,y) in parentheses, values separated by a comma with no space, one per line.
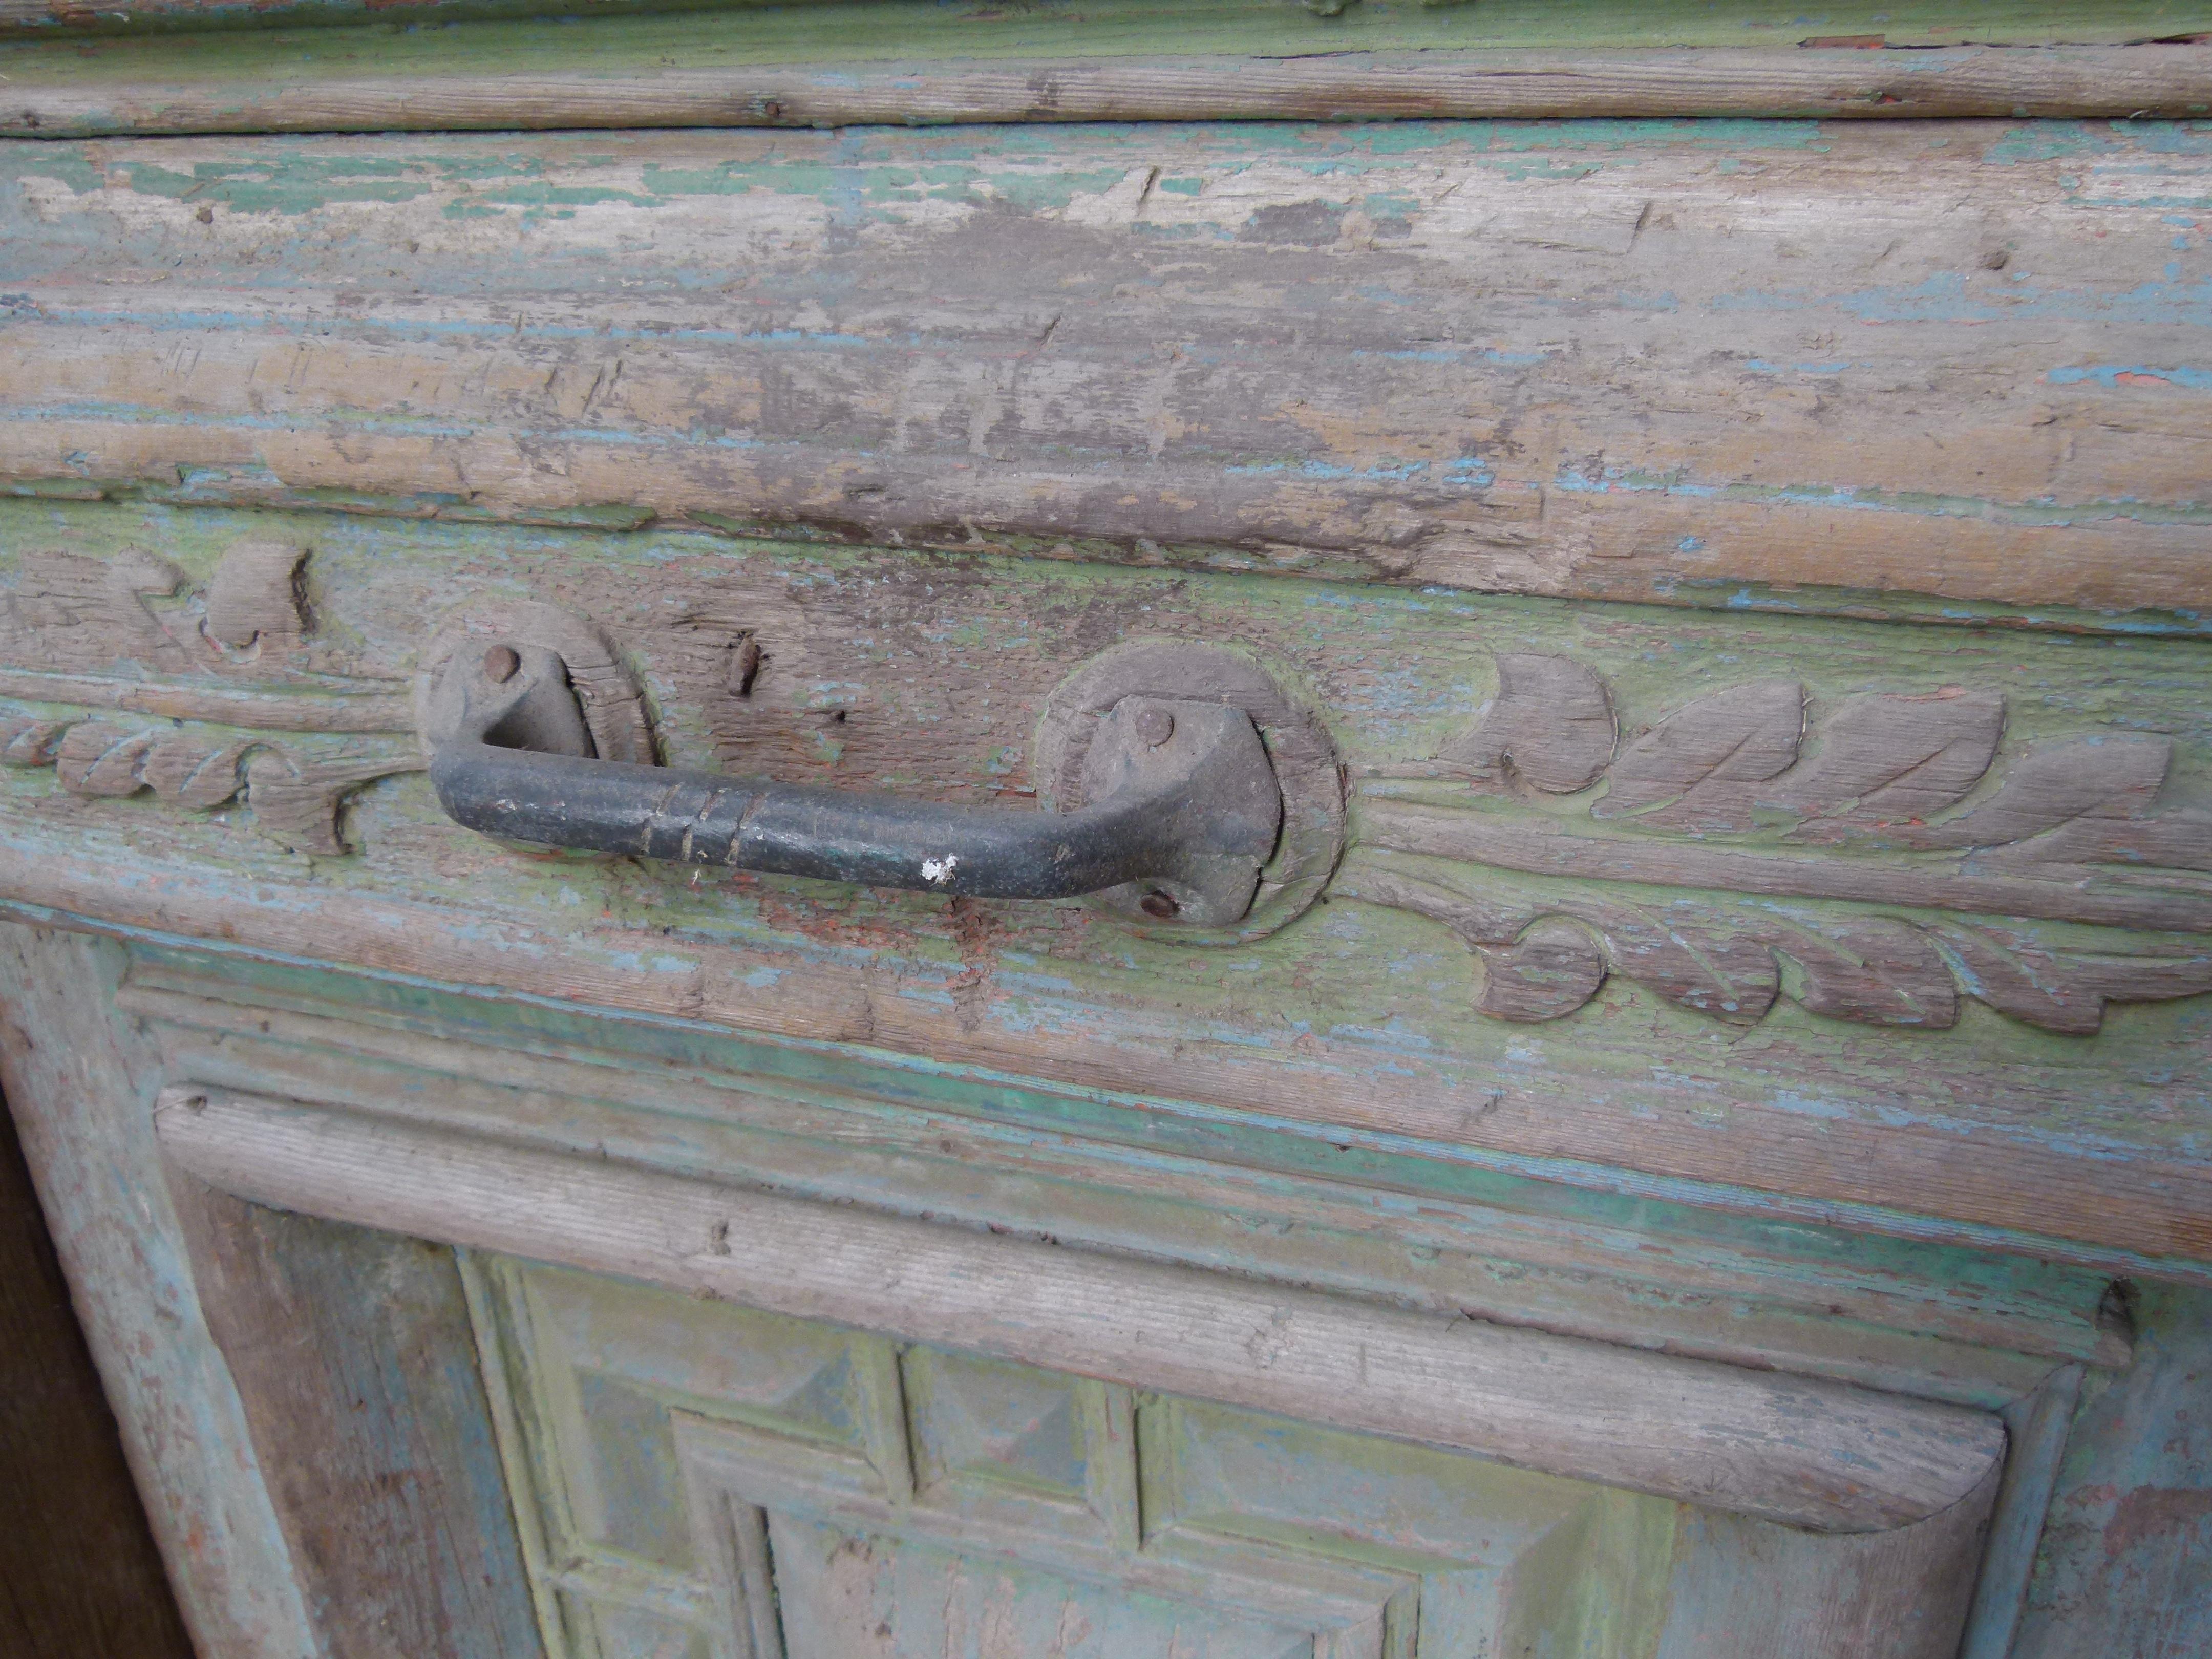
(328,92)
(1818,1454)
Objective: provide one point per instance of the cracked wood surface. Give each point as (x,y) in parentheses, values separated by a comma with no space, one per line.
(1932,367)
(1822,1455)
(1857,1086)
(304,86)
(838,1128)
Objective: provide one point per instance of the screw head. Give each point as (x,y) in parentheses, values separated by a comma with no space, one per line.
(1160,906)
(1154,726)
(500,664)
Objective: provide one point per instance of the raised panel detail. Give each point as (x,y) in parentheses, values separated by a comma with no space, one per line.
(700,1480)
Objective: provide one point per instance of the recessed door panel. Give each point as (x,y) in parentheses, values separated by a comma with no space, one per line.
(699,1479)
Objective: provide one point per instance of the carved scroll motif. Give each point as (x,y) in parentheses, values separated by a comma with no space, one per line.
(77,630)
(69,612)
(1896,805)
(295,798)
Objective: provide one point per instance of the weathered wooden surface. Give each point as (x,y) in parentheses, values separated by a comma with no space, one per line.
(1808,1454)
(2036,1427)
(355,1362)
(2126,1563)
(81,1083)
(1119,1177)
(881,28)
(691,1466)
(307,86)
(2049,1100)
(81,1574)
(1784,364)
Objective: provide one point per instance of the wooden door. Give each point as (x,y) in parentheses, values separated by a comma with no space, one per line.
(1683,1135)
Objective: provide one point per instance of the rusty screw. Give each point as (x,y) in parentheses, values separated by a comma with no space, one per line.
(1154,726)
(1159,906)
(500,664)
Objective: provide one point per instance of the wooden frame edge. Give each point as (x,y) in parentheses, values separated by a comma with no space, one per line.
(1826,1456)
(2077,82)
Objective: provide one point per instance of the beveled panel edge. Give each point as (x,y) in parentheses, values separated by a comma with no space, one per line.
(409,944)
(1937,1324)
(1825,1456)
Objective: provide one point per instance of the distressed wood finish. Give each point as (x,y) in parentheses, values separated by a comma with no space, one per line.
(869,29)
(2124,1563)
(1814,367)
(1113,1176)
(80,1081)
(352,1353)
(1648,1179)
(1923,1066)
(767,1486)
(82,1576)
(305,86)
(332,1432)
(1808,1454)
(2071,832)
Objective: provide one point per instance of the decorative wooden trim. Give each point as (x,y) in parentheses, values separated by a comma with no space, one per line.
(1890,803)
(253,707)
(224,659)
(1919,1134)
(849,1132)
(2080,82)
(2038,1425)
(2051,1204)
(1818,1454)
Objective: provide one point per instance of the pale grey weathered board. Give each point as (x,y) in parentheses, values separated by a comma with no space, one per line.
(1680,362)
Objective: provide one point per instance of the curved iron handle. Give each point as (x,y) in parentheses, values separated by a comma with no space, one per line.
(1182,807)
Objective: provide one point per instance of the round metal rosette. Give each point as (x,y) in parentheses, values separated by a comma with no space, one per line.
(1298,748)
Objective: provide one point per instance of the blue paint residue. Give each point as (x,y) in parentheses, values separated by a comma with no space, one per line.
(2115,376)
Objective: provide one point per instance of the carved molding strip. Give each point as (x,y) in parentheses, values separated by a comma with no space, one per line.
(1824,1455)
(1889,803)
(295,798)
(1884,859)
(256,708)
(72,626)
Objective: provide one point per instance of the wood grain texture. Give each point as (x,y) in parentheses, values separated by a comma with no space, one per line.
(692,1465)
(355,1364)
(2068,830)
(875,29)
(1359,1023)
(1976,1330)
(83,1574)
(79,1082)
(141,93)
(2036,1426)
(237,650)
(1820,1455)
(1885,1600)
(2126,1561)
(1817,367)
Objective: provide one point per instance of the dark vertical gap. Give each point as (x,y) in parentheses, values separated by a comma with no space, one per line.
(80,1577)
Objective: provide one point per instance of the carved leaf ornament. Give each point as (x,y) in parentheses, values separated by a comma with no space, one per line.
(1926,860)
(1882,860)
(70,618)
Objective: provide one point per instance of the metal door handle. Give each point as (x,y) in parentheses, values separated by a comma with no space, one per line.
(1182,805)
